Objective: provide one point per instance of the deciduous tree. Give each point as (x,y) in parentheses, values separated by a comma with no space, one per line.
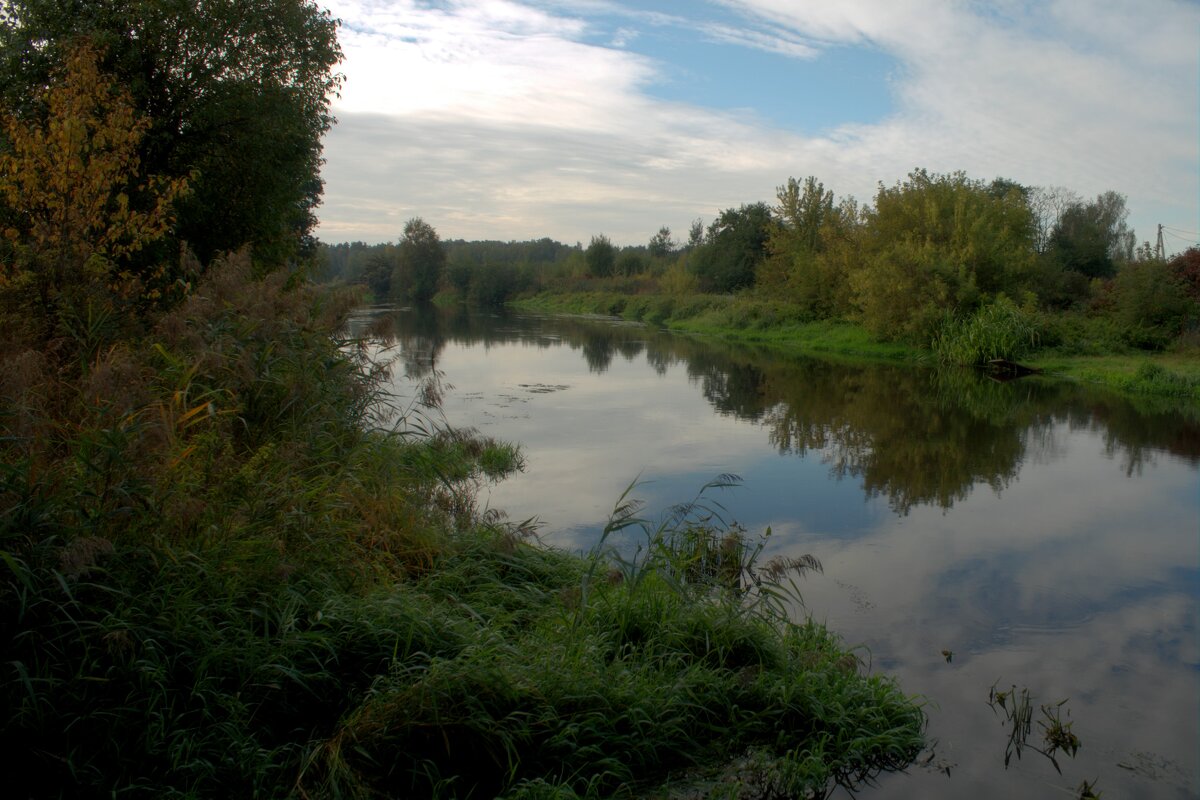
(601,257)
(78,204)
(236,91)
(793,268)
(935,243)
(1093,238)
(630,263)
(736,245)
(661,243)
(420,261)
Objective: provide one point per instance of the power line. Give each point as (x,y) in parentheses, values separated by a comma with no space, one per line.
(1180,230)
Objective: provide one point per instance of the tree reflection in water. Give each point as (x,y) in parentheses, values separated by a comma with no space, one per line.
(914,435)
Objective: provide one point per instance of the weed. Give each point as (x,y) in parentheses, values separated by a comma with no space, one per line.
(225,571)
(999,330)
(1018,709)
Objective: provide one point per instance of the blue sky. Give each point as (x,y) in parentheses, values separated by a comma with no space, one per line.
(517,119)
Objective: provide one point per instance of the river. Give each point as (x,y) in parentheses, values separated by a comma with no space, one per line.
(1033,536)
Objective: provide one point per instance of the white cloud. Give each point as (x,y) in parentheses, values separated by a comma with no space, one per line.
(502,120)
(759,40)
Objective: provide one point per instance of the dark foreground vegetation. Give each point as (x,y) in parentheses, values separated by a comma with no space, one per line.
(231,565)
(221,579)
(940,267)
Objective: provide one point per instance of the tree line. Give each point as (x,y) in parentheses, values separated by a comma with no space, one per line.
(929,252)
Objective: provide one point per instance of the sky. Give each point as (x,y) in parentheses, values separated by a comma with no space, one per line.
(521,119)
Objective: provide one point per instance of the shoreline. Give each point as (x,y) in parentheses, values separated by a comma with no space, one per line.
(1170,376)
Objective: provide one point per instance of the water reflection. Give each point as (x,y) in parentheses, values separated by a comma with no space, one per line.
(912,436)
(1044,532)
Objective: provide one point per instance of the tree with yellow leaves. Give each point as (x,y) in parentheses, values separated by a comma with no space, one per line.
(77,205)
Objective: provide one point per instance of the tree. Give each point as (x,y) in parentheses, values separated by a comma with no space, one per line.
(1186,266)
(1047,205)
(794,239)
(630,263)
(420,261)
(78,205)
(378,270)
(1092,238)
(936,243)
(237,93)
(810,246)
(1151,301)
(661,243)
(801,213)
(736,244)
(601,257)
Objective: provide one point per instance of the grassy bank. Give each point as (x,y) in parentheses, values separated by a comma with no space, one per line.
(742,318)
(224,571)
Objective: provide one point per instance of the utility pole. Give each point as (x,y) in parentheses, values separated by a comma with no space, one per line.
(1159,250)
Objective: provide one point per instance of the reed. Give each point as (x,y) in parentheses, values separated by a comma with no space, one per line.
(999,330)
(226,573)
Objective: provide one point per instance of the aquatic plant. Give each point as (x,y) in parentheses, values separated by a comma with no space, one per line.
(1018,709)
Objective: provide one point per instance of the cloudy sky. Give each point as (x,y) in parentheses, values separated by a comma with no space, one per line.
(507,119)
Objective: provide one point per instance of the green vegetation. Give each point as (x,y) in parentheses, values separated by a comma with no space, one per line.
(601,257)
(939,267)
(232,565)
(420,262)
(997,331)
(237,113)
(1018,712)
(219,578)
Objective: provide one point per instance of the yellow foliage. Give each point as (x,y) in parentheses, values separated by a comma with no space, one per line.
(68,181)
(678,280)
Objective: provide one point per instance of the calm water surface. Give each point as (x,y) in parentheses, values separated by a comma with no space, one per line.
(1045,533)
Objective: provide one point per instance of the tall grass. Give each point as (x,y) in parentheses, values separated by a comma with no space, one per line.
(222,575)
(613,675)
(1000,330)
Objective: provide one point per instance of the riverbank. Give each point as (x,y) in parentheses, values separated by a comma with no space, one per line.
(233,571)
(786,329)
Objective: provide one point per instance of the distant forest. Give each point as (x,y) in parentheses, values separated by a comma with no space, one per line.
(931,250)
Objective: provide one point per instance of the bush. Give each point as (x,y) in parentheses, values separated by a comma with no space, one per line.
(1151,302)
(1077,334)
(186,588)
(998,330)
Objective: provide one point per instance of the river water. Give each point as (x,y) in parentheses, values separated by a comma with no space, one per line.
(1035,534)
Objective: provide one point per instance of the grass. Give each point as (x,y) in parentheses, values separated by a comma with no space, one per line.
(224,572)
(1078,349)
(607,677)
(731,319)
(1166,374)
(997,331)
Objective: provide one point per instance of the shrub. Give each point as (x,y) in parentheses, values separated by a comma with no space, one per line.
(1151,302)
(998,330)
(679,280)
